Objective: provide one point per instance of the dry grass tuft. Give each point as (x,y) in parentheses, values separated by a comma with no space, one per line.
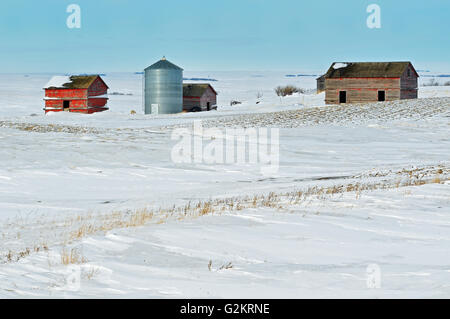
(143,216)
(437,180)
(89,224)
(226,266)
(72,257)
(210,265)
(91,273)
(287,90)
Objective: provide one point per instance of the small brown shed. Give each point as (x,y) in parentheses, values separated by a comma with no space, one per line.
(320,84)
(359,82)
(199,97)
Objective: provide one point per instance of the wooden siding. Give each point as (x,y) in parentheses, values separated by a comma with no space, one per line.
(190,102)
(208,96)
(66,93)
(98,87)
(57,105)
(409,84)
(361,90)
(408,94)
(200,101)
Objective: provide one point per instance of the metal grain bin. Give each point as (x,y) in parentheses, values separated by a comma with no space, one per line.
(163,88)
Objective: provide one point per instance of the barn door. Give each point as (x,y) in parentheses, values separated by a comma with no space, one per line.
(342,96)
(381,96)
(66,106)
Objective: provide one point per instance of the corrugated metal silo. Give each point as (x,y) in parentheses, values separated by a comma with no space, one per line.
(163,88)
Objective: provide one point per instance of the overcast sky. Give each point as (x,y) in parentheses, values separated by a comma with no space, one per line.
(118,35)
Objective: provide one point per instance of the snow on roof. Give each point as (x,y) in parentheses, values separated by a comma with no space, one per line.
(72,82)
(57,82)
(339,65)
(103,96)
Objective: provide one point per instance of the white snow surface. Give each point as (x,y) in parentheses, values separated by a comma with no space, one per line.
(60,172)
(57,81)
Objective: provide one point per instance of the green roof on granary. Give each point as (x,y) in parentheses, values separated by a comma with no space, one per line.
(72,82)
(367,69)
(195,89)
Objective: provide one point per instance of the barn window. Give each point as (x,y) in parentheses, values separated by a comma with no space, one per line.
(409,72)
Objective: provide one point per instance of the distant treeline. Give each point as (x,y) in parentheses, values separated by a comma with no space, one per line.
(437,76)
(199,79)
(190,79)
(299,75)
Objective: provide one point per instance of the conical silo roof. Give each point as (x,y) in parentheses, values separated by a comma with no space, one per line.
(163,64)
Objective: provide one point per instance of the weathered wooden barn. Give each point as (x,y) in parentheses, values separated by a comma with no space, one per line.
(199,97)
(77,93)
(359,82)
(320,84)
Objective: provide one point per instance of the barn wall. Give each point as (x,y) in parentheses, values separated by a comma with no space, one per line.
(78,104)
(66,93)
(408,94)
(190,102)
(98,87)
(57,105)
(360,90)
(208,96)
(409,84)
(363,83)
(54,104)
(361,95)
(97,102)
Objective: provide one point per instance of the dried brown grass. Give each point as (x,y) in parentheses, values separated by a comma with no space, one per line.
(89,224)
(72,257)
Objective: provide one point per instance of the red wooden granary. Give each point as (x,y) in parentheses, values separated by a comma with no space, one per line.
(77,93)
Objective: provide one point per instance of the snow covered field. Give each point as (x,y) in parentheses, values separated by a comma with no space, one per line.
(362,191)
